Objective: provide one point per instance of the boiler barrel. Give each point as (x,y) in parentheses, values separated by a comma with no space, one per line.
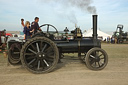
(73,46)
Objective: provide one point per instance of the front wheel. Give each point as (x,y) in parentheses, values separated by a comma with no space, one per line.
(96,59)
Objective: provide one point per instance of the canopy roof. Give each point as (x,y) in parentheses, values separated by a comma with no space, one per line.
(100,34)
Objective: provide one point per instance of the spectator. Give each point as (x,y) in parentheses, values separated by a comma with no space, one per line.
(105,39)
(108,39)
(22,22)
(115,40)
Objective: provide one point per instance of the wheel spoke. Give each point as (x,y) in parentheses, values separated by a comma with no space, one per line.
(50,53)
(16,52)
(37,47)
(92,56)
(41,45)
(33,47)
(99,64)
(100,55)
(97,53)
(95,63)
(46,63)
(47,28)
(38,65)
(48,48)
(44,47)
(29,54)
(92,61)
(42,63)
(32,51)
(101,58)
(50,59)
(31,61)
(31,57)
(35,63)
(50,56)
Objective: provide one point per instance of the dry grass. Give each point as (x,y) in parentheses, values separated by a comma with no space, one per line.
(72,71)
(116,50)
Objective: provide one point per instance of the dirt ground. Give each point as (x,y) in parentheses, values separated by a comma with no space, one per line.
(72,71)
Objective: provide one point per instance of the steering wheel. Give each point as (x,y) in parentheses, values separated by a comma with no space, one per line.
(49,25)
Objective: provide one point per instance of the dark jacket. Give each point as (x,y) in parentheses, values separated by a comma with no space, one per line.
(35,26)
(27,31)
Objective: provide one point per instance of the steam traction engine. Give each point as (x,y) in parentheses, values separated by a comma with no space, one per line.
(42,53)
(120,35)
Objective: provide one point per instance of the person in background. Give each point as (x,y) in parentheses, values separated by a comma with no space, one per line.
(111,40)
(35,25)
(22,22)
(108,39)
(115,40)
(105,39)
(22,27)
(27,30)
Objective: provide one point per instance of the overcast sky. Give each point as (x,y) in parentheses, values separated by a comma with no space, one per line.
(63,13)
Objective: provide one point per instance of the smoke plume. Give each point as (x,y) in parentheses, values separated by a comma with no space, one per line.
(84,5)
(71,16)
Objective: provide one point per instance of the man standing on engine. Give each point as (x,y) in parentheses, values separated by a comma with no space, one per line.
(35,25)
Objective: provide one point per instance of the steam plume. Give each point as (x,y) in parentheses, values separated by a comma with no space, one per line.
(71,16)
(84,5)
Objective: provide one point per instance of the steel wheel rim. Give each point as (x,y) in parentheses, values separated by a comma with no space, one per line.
(15,52)
(97,59)
(42,55)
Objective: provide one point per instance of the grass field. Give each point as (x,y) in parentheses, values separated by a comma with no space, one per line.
(3,60)
(72,71)
(116,50)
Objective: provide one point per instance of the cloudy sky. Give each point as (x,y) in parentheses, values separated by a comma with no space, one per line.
(64,13)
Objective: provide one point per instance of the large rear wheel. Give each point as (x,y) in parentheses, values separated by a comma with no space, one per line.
(39,55)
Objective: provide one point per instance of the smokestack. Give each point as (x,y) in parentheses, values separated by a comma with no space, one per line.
(95,27)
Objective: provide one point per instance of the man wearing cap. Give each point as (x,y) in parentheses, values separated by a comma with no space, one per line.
(35,25)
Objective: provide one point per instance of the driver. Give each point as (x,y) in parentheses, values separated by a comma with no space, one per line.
(35,25)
